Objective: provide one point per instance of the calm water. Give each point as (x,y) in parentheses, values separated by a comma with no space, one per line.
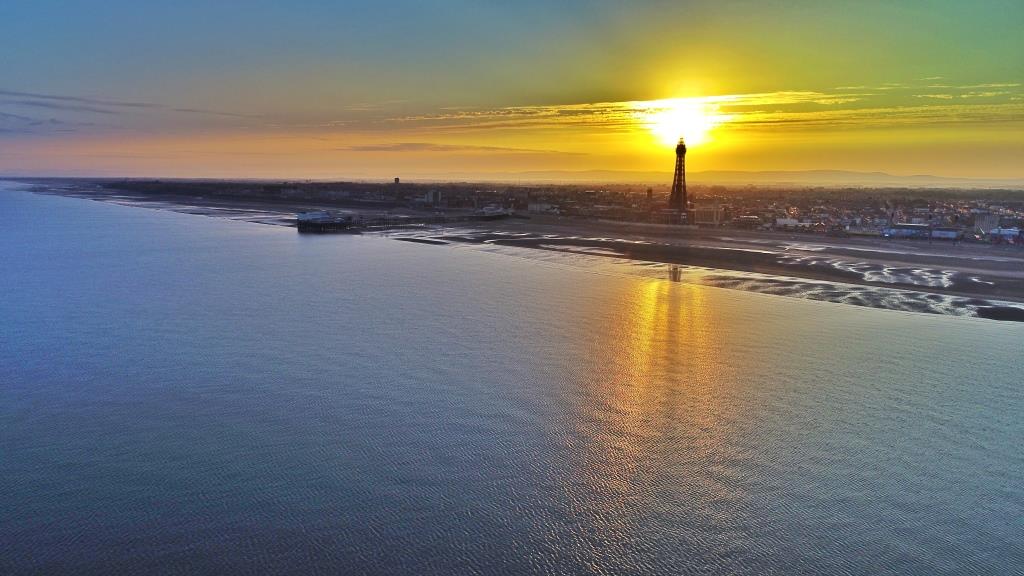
(183,395)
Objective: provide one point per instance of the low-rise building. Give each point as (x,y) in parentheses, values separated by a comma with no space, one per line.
(710,213)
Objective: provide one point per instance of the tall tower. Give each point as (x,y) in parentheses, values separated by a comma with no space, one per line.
(677,201)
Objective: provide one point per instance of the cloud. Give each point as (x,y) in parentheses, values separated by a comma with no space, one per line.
(625,113)
(372,106)
(930,82)
(96,105)
(57,106)
(4,116)
(78,99)
(787,98)
(989,94)
(930,114)
(993,85)
(884,105)
(21,124)
(783,108)
(214,112)
(431,147)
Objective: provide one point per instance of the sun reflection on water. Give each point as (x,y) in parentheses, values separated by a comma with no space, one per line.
(652,415)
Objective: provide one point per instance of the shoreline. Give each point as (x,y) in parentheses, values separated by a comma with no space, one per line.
(968,274)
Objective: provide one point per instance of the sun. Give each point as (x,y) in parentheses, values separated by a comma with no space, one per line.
(689,118)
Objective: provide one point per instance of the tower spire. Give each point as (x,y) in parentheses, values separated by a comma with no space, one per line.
(677,200)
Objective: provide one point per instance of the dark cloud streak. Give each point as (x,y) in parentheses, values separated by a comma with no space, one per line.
(98,105)
(78,99)
(58,106)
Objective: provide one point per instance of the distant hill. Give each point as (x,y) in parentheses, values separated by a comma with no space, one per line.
(769,177)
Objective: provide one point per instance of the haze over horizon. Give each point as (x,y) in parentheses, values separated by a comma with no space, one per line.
(359,90)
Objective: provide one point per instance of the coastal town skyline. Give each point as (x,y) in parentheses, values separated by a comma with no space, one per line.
(466,90)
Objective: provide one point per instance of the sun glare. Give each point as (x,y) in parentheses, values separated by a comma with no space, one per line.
(688,118)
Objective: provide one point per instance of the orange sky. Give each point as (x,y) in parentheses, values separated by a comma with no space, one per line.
(347,90)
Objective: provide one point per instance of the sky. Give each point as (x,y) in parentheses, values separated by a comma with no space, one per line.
(488,89)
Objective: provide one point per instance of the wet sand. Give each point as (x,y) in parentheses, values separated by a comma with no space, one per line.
(961,270)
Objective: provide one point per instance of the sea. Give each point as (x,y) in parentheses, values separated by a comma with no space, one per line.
(182,394)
